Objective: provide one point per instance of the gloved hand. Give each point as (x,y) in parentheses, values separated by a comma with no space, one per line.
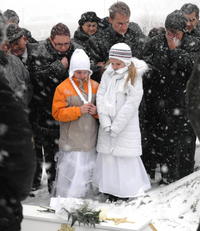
(107,129)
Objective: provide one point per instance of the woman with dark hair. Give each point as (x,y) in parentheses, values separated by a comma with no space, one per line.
(88,26)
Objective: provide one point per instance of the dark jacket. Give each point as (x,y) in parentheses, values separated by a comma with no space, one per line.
(18,78)
(17,162)
(101,43)
(167,133)
(193,98)
(165,83)
(195,32)
(81,37)
(47,72)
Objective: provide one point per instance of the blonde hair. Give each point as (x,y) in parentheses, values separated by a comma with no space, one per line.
(131,73)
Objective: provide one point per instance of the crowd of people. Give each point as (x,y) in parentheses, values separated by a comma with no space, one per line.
(107,106)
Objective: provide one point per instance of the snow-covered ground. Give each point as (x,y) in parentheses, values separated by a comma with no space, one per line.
(175,207)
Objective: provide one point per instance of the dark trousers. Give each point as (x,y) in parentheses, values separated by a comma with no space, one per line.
(152,139)
(170,141)
(179,149)
(46,146)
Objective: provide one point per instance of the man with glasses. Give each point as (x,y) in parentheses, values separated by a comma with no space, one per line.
(49,64)
(118,30)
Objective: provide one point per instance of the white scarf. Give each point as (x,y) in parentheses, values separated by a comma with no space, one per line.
(89,99)
(117,83)
(113,87)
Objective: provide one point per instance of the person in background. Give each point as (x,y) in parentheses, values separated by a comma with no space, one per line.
(119,139)
(88,26)
(193,101)
(18,44)
(191,12)
(11,17)
(119,30)
(105,22)
(17,75)
(49,64)
(74,107)
(193,98)
(17,157)
(170,139)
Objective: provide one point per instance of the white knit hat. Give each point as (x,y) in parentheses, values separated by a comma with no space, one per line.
(79,61)
(122,52)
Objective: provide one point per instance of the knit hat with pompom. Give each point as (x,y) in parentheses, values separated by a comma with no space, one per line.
(122,52)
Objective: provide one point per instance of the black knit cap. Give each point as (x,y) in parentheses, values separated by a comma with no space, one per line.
(14,32)
(176,21)
(89,16)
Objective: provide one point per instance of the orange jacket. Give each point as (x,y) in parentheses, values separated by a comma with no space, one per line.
(61,108)
(77,132)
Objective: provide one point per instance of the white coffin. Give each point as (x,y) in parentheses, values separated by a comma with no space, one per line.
(35,220)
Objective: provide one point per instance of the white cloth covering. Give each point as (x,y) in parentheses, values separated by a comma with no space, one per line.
(120,176)
(74,173)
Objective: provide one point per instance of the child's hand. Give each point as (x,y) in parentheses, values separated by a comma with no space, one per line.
(92,109)
(85,108)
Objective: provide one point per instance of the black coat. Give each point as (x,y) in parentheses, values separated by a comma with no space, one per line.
(195,32)
(165,83)
(193,98)
(18,78)
(47,72)
(17,159)
(167,134)
(100,44)
(81,38)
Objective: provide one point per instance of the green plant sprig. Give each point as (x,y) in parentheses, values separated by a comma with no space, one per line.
(83,215)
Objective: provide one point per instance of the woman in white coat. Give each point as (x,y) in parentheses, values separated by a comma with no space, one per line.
(119,169)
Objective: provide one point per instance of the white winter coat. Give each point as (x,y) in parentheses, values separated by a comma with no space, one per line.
(117,106)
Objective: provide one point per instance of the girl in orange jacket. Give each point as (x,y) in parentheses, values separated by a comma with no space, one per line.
(74,107)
